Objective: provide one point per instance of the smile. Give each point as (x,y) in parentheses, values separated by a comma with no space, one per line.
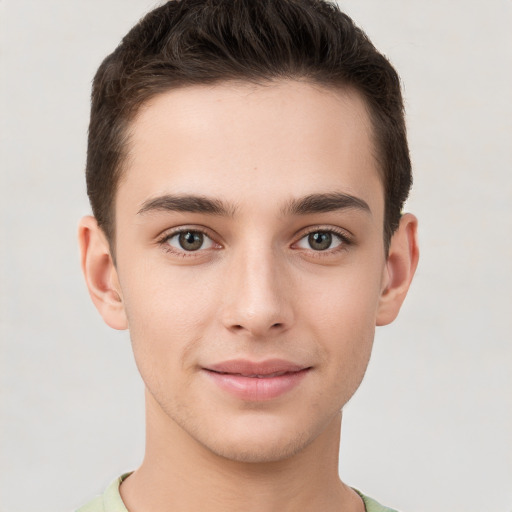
(256,376)
(256,381)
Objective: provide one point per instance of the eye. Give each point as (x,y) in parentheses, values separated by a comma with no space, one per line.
(189,240)
(321,241)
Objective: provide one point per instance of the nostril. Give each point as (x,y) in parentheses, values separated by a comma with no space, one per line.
(239,327)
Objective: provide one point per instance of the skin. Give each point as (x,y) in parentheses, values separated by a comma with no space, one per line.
(256,289)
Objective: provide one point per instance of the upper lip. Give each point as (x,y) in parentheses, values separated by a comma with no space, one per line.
(248,368)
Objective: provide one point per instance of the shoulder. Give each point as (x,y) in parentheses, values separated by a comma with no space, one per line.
(109,501)
(373,506)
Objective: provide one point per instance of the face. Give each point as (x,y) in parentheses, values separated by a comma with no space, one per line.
(250,260)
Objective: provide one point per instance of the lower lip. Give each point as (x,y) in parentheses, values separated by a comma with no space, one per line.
(257,389)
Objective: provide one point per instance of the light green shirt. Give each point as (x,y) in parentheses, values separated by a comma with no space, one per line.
(110,501)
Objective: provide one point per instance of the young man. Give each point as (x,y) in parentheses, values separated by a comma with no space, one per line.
(247,166)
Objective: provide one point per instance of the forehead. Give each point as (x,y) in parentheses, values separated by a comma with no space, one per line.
(244,142)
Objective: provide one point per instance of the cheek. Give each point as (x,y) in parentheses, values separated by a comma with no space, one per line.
(168,313)
(346,330)
(343,301)
(340,316)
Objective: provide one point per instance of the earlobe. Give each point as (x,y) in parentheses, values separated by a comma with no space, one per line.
(399,270)
(100,273)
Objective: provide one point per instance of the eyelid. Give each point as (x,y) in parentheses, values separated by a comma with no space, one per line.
(345,236)
(172,232)
(341,232)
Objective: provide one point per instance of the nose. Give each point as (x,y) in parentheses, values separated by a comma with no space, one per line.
(257,296)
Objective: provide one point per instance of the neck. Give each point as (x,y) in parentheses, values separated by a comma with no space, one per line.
(179,474)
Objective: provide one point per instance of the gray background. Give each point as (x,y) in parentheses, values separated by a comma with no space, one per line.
(431,427)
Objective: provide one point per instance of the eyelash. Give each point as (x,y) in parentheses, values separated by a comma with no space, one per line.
(345,241)
(164,239)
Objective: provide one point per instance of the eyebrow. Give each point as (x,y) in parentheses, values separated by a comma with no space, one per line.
(329,202)
(313,203)
(187,203)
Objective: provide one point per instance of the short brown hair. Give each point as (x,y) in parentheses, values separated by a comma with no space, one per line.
(189,42)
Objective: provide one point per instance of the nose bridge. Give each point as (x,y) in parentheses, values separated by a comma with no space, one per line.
(256,300)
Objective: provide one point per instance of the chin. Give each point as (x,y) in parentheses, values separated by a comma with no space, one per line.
(261,433)
(263,438)
(257,451)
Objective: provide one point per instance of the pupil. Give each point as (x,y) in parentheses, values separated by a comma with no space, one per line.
(191,241)
(320,240)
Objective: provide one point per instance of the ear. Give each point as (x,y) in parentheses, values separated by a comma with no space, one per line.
(100,273)
(399,269)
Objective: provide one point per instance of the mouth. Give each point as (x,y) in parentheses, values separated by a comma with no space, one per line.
(255,376)
(257,381)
